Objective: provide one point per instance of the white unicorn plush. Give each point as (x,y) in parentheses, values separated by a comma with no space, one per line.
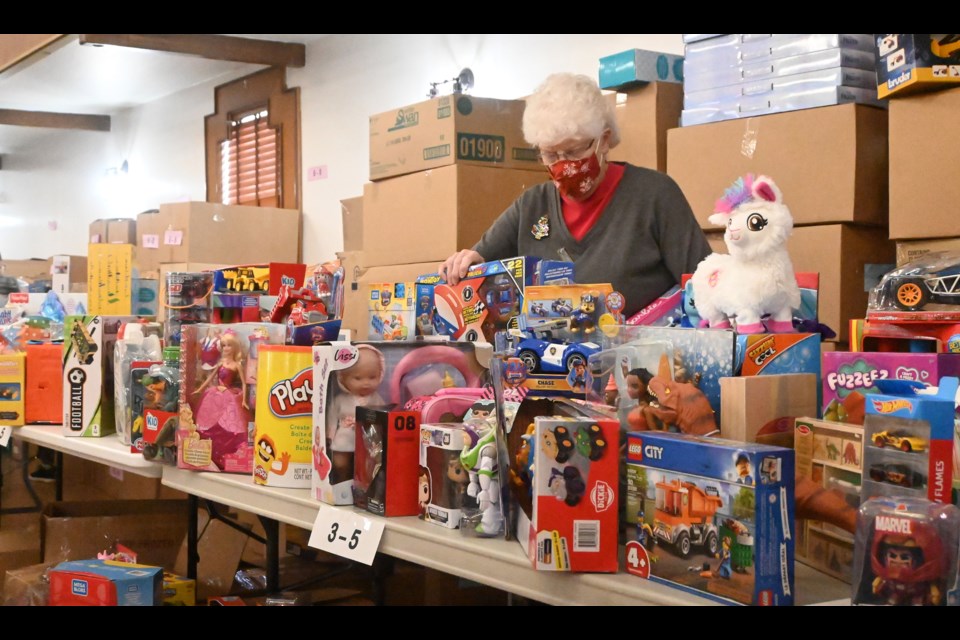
(756,279)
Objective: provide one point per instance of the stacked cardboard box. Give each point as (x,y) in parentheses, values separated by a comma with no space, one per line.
(831,165)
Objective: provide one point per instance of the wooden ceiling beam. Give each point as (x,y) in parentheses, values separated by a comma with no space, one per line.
(212,47)
(88,122)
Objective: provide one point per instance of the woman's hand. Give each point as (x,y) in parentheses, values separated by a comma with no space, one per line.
(456,266)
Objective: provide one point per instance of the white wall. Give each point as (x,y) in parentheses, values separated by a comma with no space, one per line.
(346,79)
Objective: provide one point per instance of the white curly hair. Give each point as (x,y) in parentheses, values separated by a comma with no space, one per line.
(567,106)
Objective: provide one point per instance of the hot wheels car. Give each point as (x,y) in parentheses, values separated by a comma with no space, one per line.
(934,278)
(898,474)
(899,438)
(553,356)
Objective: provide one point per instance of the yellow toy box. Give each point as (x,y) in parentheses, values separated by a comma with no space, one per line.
(392,311)
(282,440)
(12,367)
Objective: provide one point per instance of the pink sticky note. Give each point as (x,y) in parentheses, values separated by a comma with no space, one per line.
(173,236)
(151,241)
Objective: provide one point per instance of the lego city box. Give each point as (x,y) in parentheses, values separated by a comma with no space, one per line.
(386,461)
(88,374)
(712,516)
(910,62)
(450,129)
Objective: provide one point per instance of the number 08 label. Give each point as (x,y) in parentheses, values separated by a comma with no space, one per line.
(347,534)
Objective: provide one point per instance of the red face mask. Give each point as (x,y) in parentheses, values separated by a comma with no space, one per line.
(575,178)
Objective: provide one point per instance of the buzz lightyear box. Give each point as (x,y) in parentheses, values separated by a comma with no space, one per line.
(711,516)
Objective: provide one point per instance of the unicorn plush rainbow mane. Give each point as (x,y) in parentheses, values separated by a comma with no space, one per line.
(755,284)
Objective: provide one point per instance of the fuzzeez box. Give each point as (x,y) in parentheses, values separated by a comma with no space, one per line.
(712,516)
(573,524)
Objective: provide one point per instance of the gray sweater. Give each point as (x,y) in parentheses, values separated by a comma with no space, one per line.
(644,240)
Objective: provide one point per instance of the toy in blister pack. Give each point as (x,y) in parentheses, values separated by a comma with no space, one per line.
(547,364)
(188,301)
(392,310)
(160,415)
(906,553)
(924,290)
(136,341)
(480,458)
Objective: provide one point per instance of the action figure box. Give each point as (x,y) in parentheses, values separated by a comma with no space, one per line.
(43,393)
(88,374)
(829,455)
(105,583)
(907,62)
(908,434)
(848,377)
(711,516)
(441,478)
(387,458)
(375,374)
(906,553)
(392,311)
(572,525)
(487,300)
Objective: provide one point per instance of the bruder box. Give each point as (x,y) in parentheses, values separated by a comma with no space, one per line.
(429,215)
(830,163)
(446,130)
(216,233)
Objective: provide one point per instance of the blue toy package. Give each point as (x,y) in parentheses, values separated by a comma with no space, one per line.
(711,516)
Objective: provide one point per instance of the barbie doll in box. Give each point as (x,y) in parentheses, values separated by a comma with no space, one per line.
(223,414)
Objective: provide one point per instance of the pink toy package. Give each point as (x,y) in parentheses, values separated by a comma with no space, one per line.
(218,369)
(405,375)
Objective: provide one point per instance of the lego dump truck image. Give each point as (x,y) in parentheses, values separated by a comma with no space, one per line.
(684,516)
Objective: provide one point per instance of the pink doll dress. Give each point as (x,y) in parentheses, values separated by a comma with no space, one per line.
(221,417)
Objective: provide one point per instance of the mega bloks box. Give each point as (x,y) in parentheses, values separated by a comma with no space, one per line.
(347,376)
(907,62)
(849,376)
(88,374)
(387,456)
(909,431)
(105,583)
(829,456)
(12,384)
(712,516)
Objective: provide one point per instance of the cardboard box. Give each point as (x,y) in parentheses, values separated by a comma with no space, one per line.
(762,408)
(449,129)
(830,163)
(924,150)
(34,269)
(724,508)
(636,66)
(110,279)
(910,62)
(18,549)
(430,215)
(644,115)
(842,254)
(69,273)
(44,384)
(155,529)
(910,250)
(217,233)
(219,548)
(351,211)
(113,231)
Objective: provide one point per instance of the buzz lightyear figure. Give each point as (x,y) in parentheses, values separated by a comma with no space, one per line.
(479,458)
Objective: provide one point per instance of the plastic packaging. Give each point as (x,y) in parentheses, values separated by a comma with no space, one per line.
(131,346)
(160,417)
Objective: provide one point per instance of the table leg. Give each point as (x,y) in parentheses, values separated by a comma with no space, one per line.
(192,556)
(272,529)
(58,474)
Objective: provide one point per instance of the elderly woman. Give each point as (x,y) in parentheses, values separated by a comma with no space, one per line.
(618,223)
